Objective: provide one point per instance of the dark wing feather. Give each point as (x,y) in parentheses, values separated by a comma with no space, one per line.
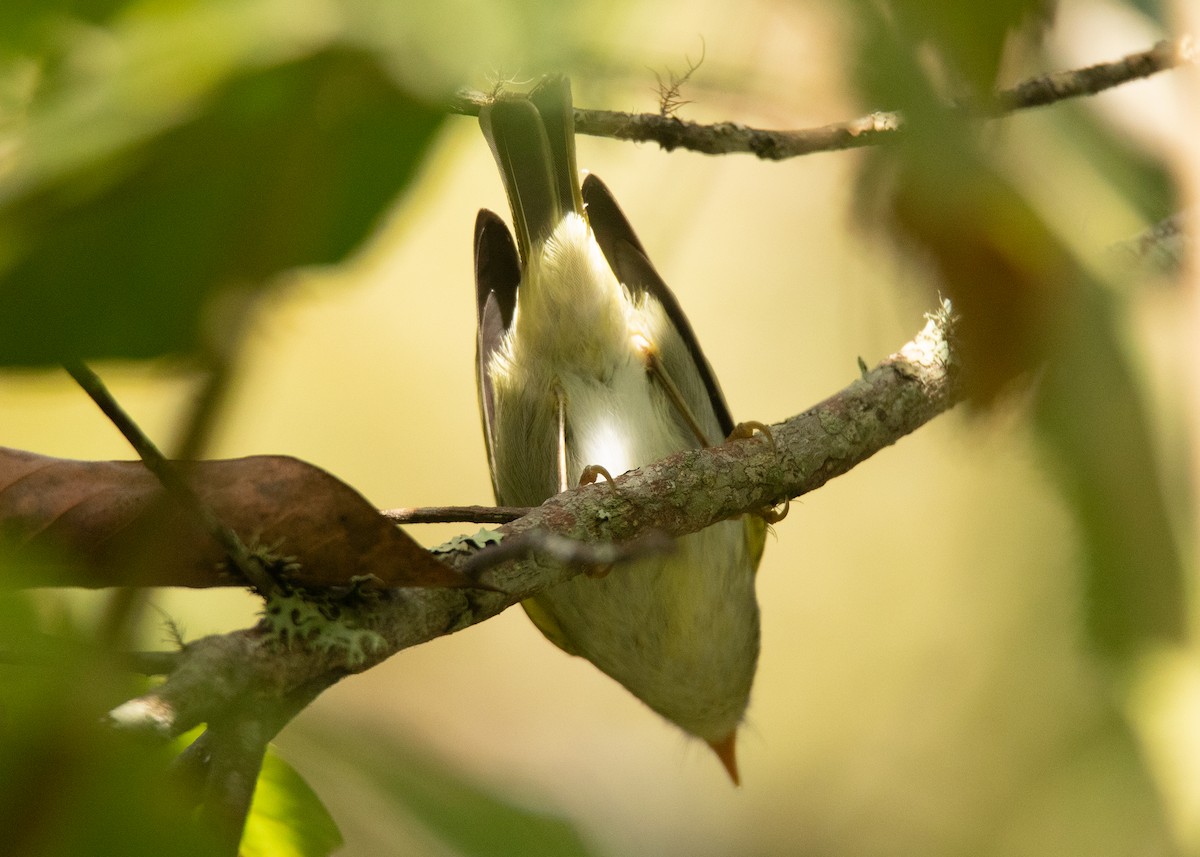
(628,260)
(497,275)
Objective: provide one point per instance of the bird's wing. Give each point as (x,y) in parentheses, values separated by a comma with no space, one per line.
(497,274)
(629,262)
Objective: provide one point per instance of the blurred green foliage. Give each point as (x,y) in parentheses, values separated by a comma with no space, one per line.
(154,160)
(445,806)
(120,250)
(1033,312)
(69,785)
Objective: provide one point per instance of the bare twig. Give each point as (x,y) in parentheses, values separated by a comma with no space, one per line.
(722,138)
(730,138)
(455,514)
(1059,86)
(1164,245)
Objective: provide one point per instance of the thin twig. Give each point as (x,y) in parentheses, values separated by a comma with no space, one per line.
(728,137)
(170,479)
(455,514)
(1164,245)
(1059,86)
(124,604)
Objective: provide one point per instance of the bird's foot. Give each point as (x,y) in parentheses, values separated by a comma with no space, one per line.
(588,477)
(742,431)
(593,472)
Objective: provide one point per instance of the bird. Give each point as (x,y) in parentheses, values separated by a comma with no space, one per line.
(585,362)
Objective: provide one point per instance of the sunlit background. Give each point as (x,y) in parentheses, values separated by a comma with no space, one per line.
(926,685)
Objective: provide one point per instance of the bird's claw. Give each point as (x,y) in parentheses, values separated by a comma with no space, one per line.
(588,477)
(742,431)
(593,472)
(775,514)
(749,429)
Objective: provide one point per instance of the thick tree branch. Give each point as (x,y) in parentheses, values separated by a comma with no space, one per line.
(259,669)
(729,137)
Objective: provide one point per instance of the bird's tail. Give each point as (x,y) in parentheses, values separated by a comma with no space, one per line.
(532,137)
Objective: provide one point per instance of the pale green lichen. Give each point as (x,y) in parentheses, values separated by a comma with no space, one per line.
(321,623)
(354,644)
(466,544)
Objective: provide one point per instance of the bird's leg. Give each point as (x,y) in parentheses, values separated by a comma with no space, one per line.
(749,429)
(560,407)
(593,472)
(658,371)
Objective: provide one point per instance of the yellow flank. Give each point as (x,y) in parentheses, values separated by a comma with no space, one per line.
(545,622)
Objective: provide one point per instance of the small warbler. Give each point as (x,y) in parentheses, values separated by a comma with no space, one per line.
(585,358)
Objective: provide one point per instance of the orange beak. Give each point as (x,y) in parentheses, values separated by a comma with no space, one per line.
(726,751)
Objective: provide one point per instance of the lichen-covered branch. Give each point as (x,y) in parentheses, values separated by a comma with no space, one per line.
(268,669)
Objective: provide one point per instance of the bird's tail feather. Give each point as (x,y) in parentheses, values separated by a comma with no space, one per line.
(532,138)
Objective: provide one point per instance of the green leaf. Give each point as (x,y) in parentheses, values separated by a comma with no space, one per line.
(121,255)
(467,818)
(287,819)
(1142,178)
(1099,439)
(26,22)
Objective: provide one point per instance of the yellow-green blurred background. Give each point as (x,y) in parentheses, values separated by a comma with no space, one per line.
(926,684)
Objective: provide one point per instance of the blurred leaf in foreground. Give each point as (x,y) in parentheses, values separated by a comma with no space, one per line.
(70,785)
(120,256)
(1100,445)
(107,523)
(1032,315)
(466,818)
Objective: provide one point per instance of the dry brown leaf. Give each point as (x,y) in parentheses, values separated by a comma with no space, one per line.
(109,523)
